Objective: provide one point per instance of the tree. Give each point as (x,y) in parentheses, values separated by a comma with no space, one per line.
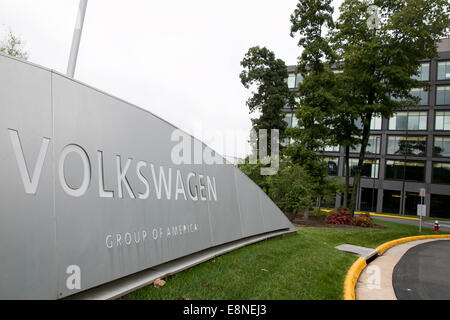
(377,64)
(325,117)
(12,45)
(253,171)
(380,63)
(267,74)
(290,189)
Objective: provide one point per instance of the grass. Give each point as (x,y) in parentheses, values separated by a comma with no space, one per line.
(301,266)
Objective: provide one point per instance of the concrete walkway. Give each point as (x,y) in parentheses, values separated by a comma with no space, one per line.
(375,282)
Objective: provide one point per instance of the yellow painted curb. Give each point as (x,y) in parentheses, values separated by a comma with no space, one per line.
(351,278)
(381,215)
(359,265)
(390,216)
(382,248)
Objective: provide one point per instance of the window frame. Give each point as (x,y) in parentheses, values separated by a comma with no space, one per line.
(437,89)
(377,160)
(406,136)
(367,152)
(434,146)
(435,120)
(437,69)
(407,120)
(432,172)
(404,178)
(328,159)
(429,71)
(428,96)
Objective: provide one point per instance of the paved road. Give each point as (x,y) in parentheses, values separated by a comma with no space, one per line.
(423,273)
(444,226)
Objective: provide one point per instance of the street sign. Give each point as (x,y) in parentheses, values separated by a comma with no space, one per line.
(421,210)
(422,192)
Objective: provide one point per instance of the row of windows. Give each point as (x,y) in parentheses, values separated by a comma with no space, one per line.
(411,121)
(395,170)
(443,71)
(403,145)
(423,74)
(442,94)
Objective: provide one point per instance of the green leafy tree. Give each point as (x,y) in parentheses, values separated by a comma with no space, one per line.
(266,74)
(323,118)
(380,63)
(253,171)
(290,189)
(377,64)
(13,46)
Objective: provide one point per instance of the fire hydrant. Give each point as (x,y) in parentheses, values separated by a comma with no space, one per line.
(436,226)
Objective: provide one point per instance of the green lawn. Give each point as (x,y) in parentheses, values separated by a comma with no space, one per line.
(301,266)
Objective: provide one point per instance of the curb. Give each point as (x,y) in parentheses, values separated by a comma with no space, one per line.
(358,266)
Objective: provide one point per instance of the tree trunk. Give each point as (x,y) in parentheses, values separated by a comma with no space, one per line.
(320,204)
(347,174)
(362,155)
(306,214)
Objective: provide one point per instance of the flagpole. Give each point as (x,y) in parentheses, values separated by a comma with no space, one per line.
(76,38)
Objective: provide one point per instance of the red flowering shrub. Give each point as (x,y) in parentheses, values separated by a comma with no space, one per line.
(341,216)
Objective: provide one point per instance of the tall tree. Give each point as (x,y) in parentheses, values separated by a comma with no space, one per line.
(13,46)
(267,74)
(377,64)
(325,118)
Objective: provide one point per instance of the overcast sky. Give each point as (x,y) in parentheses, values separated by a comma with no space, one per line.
(178,59)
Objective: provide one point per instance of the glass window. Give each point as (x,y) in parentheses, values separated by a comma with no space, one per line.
(375,124)
(408,121)
(298,79)
(331,148)
(294,121)
(288,119)
(391,201)
(412,146)
(332,166)
(372,147)
(291,81)
(417,121)
(441,147)
(439,207)
(443,95)
(370,168)
(442,120)
(422,94)
(443,70)
(424,72)
(441,172)
(411,171)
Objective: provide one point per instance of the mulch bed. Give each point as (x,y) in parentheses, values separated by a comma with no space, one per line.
(318,221)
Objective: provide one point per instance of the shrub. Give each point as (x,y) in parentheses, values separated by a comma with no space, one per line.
(364,220)
(340,217)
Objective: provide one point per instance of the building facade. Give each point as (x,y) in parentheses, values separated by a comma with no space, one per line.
(407,152)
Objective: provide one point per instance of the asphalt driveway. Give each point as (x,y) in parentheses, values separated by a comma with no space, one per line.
(423,273)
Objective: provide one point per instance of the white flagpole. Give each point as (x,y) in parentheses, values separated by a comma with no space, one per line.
(76,39)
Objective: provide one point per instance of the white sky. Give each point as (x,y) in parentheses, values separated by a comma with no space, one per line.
(178,59)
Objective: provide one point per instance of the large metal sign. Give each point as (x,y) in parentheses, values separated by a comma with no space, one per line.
(90,193)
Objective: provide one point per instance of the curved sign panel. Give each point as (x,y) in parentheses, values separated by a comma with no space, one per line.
(94,189)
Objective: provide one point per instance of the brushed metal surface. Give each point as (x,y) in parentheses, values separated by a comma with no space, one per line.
(95,200)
